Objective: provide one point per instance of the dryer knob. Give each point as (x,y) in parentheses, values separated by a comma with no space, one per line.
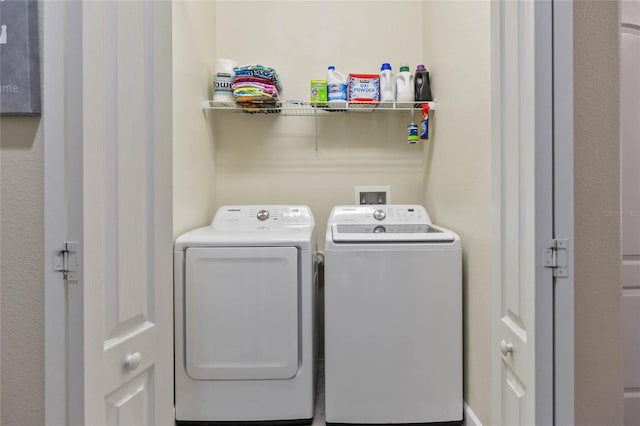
(379,214)
(263,215)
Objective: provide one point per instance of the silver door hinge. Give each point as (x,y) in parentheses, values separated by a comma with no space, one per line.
(556,256)
(66,260)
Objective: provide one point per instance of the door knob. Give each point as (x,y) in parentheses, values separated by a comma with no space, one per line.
(132,361)
(506,348)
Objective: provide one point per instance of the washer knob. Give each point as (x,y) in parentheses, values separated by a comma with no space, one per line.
(263,215)
(379,214)
(379,229)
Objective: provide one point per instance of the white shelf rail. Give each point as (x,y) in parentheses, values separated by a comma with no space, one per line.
(301,108)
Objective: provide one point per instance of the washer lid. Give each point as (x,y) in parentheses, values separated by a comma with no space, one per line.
(391,233)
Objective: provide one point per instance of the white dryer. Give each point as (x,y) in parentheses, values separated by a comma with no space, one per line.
(393,317)
(245,341)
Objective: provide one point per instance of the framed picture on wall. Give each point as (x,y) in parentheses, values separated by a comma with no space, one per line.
(19,58)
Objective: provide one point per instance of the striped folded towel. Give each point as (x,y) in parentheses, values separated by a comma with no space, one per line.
(258,72)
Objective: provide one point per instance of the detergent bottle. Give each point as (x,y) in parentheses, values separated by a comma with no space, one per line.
(422,84)
(404,85)
(387,84)
(336,85)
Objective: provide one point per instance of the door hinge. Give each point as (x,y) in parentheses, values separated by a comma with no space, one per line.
(66,260)
(556,256)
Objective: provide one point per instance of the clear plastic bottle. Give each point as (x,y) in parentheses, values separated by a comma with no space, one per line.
(336,85)
(387,84)
(404,85)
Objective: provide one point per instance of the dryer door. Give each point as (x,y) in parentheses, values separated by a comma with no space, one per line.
(241,313)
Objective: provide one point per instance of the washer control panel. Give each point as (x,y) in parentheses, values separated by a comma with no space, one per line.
(383,229)
(261,216)
(384,224)
(382,215)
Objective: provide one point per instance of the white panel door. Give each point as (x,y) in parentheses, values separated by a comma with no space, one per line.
(630,13)
(522,164)
(128,310)
(109,357)
(630,212)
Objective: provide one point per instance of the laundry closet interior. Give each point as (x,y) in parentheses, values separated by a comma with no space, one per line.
(233,158)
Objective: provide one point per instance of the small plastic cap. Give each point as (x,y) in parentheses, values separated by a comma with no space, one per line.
(385,66)
(421,68)
(404,67)
(332,68)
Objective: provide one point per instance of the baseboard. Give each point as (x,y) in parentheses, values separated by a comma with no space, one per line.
(470,418)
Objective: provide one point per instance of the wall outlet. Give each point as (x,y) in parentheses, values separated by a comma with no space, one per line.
(373,195)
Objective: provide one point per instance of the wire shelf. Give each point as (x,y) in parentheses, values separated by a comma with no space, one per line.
(301,108)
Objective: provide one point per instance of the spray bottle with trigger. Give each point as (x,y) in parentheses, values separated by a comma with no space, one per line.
(424,130)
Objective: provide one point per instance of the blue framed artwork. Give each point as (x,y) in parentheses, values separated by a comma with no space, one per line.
(19,58)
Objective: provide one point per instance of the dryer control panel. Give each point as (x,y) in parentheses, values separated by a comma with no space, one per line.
(255,217)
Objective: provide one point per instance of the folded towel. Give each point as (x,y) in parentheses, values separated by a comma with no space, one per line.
(260,72)
(246,79)
(260,87)
(253,93)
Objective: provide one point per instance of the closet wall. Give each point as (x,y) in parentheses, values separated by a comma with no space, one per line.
(457,37)
(194,200)
(272,159)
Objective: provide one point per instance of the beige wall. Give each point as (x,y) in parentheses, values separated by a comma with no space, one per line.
(458,168)
(22,273)
(22,269)
(598,291)
(271,159)
(193,156)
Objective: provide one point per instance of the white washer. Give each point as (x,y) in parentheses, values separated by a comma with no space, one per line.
(393,317)
(245,290)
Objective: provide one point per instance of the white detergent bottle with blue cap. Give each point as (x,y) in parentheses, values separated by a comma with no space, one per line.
(387,84)
(336,86)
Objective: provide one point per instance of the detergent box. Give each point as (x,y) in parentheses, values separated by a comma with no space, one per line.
(364,88)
